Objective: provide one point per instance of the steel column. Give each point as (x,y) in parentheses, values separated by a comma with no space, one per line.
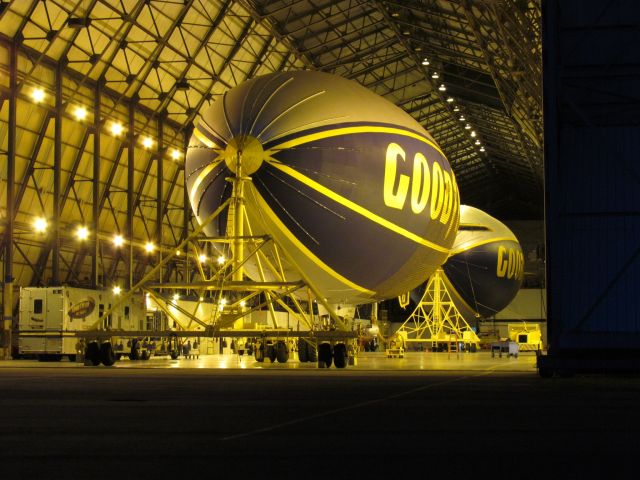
(7,291)
(95,217)
(159,190)
(130,194)
(57,168)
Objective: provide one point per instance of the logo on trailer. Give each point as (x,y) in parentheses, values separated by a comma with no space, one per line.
(82,309)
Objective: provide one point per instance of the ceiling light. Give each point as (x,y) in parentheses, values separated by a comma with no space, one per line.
(482,149)
(473,133)
(147,142)
(435,75)
(118,240)
(477,142)
(176,297)
(406,33)
(82,233)
(450,100)
(243,304)
(149,247)
(116,128)
(467,127)
(221,260)
(37,94)
(178,253)
(462,118)
(202,258)
(425,62)
(201,299)
(80,113)
(176,154)
(395,14)
(456,109)
(442,88)
(117,290)
(40,224)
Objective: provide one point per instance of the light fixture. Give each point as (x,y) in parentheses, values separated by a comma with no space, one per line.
(117,290)
(149,247)
(435,75)
(406,32)
(442,88)
(482,149)
(147,142)
(456,109)
(80,113)
(37,94)
(462,119)
(40,224)
(178,253)
(243,304)
(82,233)
(221,260)
(477,142)
(395,14)
(450,100)
(425,62)
(116,128)
(467,127)
(118,240)
(176,297)
(175,154)
(201,299)
(202,258)
(473,133)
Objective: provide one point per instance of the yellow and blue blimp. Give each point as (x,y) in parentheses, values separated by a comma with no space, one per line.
(486,266)
(355,192)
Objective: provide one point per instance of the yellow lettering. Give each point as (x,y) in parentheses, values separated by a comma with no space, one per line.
(512,264)
(437,190)
(397,199)
(448,198)
(502,262)
(421,183)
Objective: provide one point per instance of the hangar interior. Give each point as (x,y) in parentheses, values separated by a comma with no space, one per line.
(98,101)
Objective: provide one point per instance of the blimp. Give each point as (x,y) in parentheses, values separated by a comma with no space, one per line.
(485,267)
(357,195)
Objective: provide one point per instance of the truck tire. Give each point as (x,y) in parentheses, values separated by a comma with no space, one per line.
(282,351)
(145,355)
(71,357)
(271,352)
(107,355)
(325,355)
(303,351)
(135,350)
(340,355)
(174,354)
(92,354)
(312,352)
(259,352)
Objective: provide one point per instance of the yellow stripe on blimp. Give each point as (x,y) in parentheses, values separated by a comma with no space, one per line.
(266,209)
(480,243)
(357,208)
(350,131)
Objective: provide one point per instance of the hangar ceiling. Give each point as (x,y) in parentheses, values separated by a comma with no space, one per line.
(151,65)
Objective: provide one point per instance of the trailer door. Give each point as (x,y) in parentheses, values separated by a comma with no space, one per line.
(53,319)
(33,308)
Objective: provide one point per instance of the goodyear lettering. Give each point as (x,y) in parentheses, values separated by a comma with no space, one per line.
(510,263)
(436,185)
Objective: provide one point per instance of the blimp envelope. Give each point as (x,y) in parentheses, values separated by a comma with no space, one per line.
(485,269)
(355,192)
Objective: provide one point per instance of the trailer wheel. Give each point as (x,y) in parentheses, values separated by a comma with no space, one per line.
(259,352)
(174,354)
(340,356)
(282,352)
(135,350)
(92,354)
(71,357)
(325,355)
(145,355)
(271,352)
(303,351)
(107,354)
(312,352)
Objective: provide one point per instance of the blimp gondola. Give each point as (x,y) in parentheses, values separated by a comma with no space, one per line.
(356,193)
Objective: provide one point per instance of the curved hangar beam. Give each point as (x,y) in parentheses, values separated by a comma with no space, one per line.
(356,192)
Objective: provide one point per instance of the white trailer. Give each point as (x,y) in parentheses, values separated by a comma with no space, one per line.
(52,321)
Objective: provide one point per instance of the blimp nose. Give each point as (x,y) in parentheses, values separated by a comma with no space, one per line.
(244,155)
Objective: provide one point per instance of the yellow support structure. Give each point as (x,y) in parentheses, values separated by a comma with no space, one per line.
(436,320)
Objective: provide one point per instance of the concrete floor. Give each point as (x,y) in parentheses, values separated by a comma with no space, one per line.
(417,417)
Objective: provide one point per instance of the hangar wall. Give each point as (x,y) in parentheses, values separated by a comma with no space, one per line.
(591,110)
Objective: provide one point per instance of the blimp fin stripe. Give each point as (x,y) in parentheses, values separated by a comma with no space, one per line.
(266,209)
(350,131)
(482,242)
(356,208)
(203,138)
